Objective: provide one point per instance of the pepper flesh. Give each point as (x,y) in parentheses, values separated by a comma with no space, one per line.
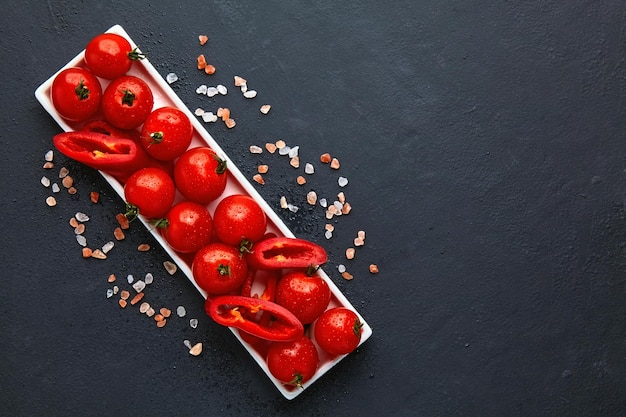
(286,252)
(230,311)
(115,155)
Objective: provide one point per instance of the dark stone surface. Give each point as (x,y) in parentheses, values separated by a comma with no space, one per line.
(484,144)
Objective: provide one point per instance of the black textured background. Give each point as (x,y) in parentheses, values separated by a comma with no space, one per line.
(484,145)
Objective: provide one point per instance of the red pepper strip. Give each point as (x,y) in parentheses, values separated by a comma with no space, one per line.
(229,310)
(286,252)
(102,126)
(117,156)
(246,287)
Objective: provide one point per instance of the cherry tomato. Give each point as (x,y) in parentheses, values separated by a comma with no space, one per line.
(127,101)
(239,220)
(76,94)
(218,268)
(200,175)
(187,227)
(150,192)
(304,295)
(110,55)
(338,331)
(293,363)
(166,133)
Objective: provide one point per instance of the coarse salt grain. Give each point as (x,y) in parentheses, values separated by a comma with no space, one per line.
(374,269)
(109,293)
(295,162)
(325,158)
(271,147)
(347,276)
(301,180)
(81,217)
(198,112)
(193,323)
(250,94)
(239,81)
(55,188)
(209,69)
(180,311)
(149,278)
(230,123)
(130,278)
(137,298)
(262,169)
(309,168)
(293,151)
(256,149)
(63,172)
(202,89)
(334,164)
(49,156)
(171,78)
(259,179)
(196,349)
(265,108)
(79,229)
(311,197)
(45,181)
(341,268)
(222,89)
(328,234)
(124,295)
(139,286)
(106,248)
(170,267)
(350,252)
(144,307)
(342,181)
(150,312)
(98,254)
(209,117)
(143,247)
(48,165)
(111,278)
(203,39)
(323,202)
(212,91)
(119,234)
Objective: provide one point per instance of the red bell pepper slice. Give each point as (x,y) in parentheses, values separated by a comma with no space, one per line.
(286,252)
(234,310)
(117,156)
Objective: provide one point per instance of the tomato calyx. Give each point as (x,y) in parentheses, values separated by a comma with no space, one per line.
(358,325)
(136,55)
(221,164)
(81,90)
(245,246)
(132,212)
(154,137)
(296,381)
(223,270)
(128,97)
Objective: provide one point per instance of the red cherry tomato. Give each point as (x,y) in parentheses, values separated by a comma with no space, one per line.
(338,331)
(166,133)
(187,227)
(293,363)
(76,94)
(218,268)
(200,175)
(110,55)
(150,192)
(127,101)
(239,220)
(304,295)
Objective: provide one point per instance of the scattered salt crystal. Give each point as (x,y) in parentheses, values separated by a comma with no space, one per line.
(350,253)
(187,343)
(45,181)
(292,208)
(328,234)
(198,111)
(82,240)
(222,89)
(283,202)
(341,268)
(49,156)
(265,108)
(130,279)
(309,168)
(170,267)
(143,307)
(150,312)
(249,94)
(81,217)
(244,88)
(196,349)
(284,150)
(338,205)
(193,323)
(109,293)
(149,278)
(180,311)
(323,202)
(295,162)
(139,286)
(209,117)
(63,172)
(342,181)
(116,289)
(311,198)
(55,188)
(171,78)
(211,91)
(293,152)
(256,149)
(202,89)
(239,81)
(106,248)
(280,144)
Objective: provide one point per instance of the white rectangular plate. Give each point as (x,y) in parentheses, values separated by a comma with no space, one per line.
(237,184)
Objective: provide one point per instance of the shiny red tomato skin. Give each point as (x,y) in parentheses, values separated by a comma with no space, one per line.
(200,175)
(189,227)
(106,55)
(151,190)
(76,94)
(293,363)
(218,268)
(307,297)
(239,217)
(166,133)
(127,101)
(338,331)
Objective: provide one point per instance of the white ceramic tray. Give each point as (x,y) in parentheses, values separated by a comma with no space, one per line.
(237,183)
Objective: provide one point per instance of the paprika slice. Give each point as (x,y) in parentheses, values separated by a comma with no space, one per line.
(117,156)
(286,252)
(234,310)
